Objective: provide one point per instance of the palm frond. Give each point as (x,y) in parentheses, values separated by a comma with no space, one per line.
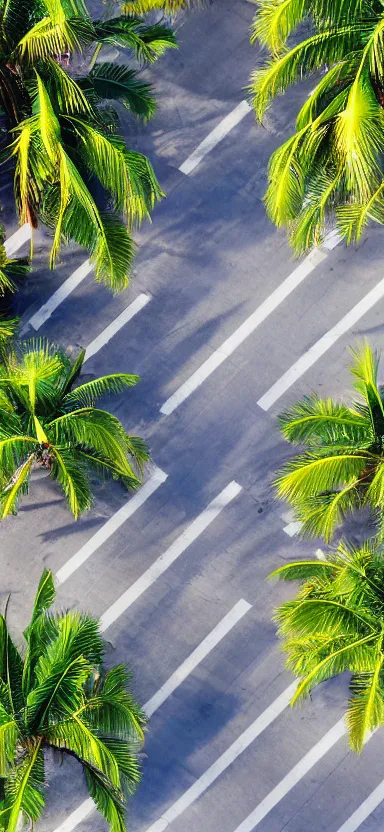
(317,421)
(111,81)
(67,469)
(87,394)
(366,708)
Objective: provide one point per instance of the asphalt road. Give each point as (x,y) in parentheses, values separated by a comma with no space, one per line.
(227,317)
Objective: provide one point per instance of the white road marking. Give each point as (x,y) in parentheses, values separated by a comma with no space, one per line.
(76,817)
(215,136)
(114,523)
(226,759)
(214,637)
(16,240)
(164,561)
(320,554)
(117,324)
(293,777)
(364,810)
(209,642)
(332,239)
(320,347)
(292,528)
(69,285)
(244,330)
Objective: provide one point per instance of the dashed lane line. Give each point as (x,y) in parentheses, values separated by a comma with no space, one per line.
(215,136)
(164,561)
(320,347)
(183,671)
(114,523)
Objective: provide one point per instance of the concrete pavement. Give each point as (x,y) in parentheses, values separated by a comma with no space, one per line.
(220,748)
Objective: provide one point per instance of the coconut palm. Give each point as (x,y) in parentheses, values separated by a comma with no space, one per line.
(331,167)
(336,624)
(61,136)
(55,693)
(46,420)
(342,466)
(168,6)
(12,270)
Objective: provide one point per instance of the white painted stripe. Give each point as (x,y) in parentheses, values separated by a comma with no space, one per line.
(164,561)
(111,526)
(320,554)
(225,760)
(214,637)
(292,528)
(364,810)
(117,324)
(209,642)
(244,330)
(332,240)
(69,285)
(16,240)
(293,777)
(320,347)
(76,817)
(215,136)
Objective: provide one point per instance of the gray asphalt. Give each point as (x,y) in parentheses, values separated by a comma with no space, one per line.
(208,260)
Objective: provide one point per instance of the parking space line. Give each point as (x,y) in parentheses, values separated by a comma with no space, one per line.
(213,638)
(293,777)
(16,240)
(117,324)
(114,523)
(313,259)
(215,136)
(204,648)
(41,316)
(292,528)
(164,561)
(364,810)
(320,347)
(224,761)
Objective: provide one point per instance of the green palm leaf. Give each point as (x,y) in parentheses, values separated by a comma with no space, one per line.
(112,81)
(335,624)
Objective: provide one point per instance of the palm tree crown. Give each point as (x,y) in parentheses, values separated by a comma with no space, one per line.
(44,419)
(63,138)
(336,624)
(333,162)
(342,467)
(57,694)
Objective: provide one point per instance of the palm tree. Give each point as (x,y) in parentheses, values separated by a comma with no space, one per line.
(62,137)
(336,624)
(342,467)
(56,694)
(46,420)
(12,270)
(168,6)
(331,167)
